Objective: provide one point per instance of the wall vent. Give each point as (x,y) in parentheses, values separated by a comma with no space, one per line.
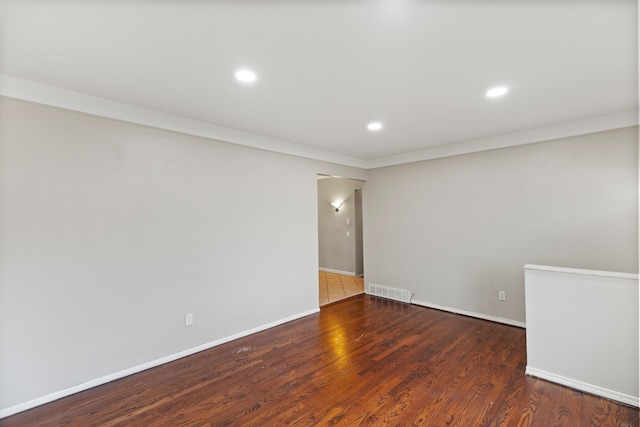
(389,292)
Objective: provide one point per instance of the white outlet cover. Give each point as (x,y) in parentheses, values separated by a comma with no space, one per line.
(188,319)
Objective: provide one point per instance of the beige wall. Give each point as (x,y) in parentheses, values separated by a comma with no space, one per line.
(456,230)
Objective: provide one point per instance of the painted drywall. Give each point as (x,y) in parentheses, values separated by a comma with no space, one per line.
(112,232)
(457,230)
(582,330)
(358,232)
(337,252)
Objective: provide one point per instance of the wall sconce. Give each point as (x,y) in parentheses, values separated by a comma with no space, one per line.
(337,205)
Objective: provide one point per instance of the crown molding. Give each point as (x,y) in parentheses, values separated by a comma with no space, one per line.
(562,130)
(26,90)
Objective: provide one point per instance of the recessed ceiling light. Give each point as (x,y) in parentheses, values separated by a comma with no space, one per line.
(374,126)
(497,92)
(245,76)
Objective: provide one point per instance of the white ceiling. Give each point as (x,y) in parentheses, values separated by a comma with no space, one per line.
(327,67)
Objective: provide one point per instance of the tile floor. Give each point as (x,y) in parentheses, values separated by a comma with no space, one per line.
(334,287)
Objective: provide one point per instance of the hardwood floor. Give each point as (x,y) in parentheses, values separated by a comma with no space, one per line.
(334,287)
(363,361)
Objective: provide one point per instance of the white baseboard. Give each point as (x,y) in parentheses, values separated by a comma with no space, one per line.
(12,410)
(482,316)
(330,270)
(582,386)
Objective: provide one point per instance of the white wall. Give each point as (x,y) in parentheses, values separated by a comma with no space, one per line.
(112,232)
(582,330)
(456,230)
(337,252)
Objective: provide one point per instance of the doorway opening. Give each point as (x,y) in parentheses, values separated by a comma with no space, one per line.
(340,241)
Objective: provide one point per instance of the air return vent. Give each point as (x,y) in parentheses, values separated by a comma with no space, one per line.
(389,292)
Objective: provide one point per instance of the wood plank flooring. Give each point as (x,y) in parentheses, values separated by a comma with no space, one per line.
(334,287)
(363,361)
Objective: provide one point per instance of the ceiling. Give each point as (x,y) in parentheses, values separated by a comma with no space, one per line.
(326,68)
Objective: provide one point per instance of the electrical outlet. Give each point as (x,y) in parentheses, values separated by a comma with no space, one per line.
(502,296)
(188,319)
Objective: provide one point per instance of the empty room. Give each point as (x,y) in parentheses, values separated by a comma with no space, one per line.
(170,171)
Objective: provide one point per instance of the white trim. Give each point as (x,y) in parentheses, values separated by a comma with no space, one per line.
(12,410)
(344,273)
(482,316)
(582,271)
(562,130)
(26,90)
(582,386)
